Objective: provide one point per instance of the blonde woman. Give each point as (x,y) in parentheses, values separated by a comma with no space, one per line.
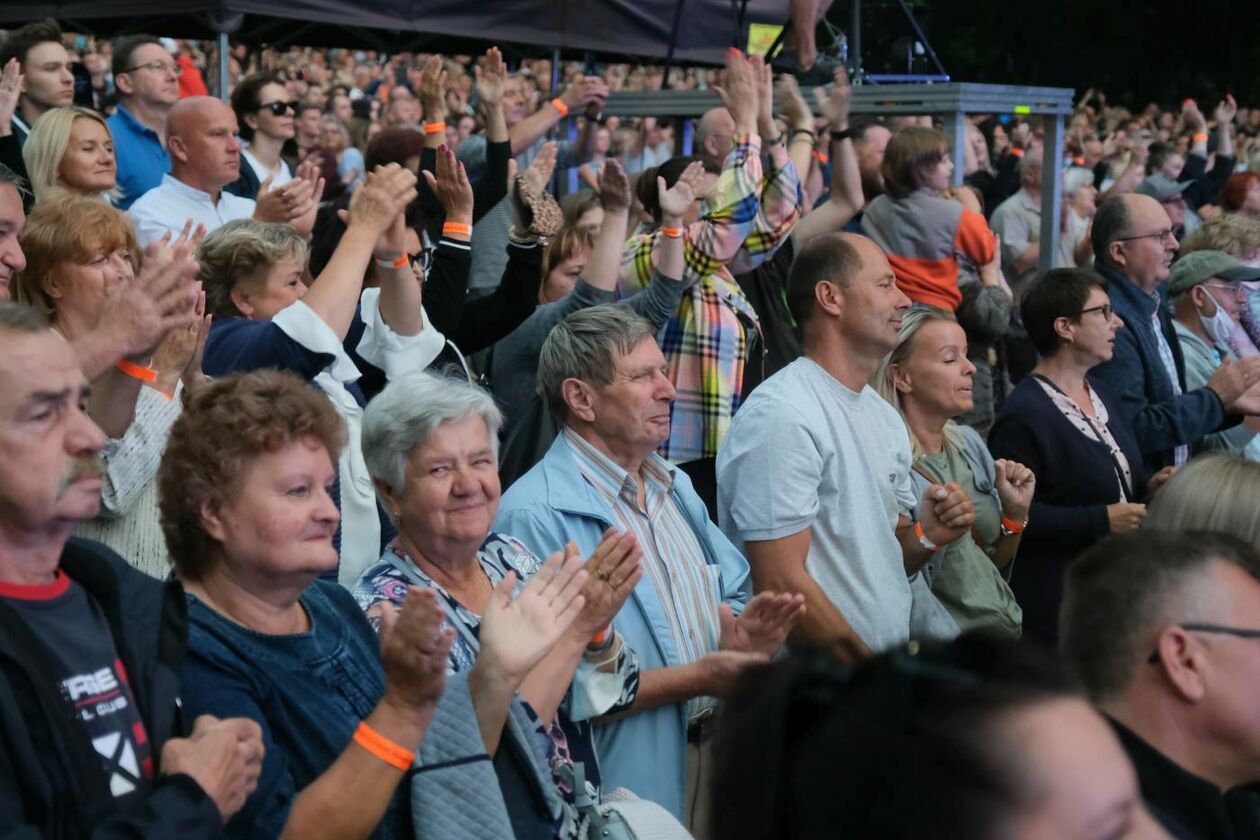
(1218,492)
(71,148)
(928,379)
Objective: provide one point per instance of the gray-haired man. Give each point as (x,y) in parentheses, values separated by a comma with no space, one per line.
(604,378)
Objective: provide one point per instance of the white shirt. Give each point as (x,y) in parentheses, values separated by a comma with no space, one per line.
(167,206)
(279,176)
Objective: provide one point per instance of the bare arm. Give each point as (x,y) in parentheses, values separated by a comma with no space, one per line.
(528,131)
(779,566)
(846,181)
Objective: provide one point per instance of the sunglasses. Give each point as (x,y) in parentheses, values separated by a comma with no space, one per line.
(279,108)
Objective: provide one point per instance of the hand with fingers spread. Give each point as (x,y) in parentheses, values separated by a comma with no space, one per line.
(614,569)
(739,92)
(795,110)
(677,200)
(415,651)
(538,174)
(764,624)
(946,513)
(517,632)
(614,187)
(490,77)
(189,236)
(143,309)
(451,186)
(10,92)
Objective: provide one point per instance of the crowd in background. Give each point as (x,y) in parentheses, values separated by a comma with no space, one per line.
(360,477)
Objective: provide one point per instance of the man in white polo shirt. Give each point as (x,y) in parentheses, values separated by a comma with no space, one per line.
(205,156)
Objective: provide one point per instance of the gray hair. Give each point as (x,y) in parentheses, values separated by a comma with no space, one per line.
(18,317)
(409,410)
(8,176)
(585,346)
(1219,492)
(1029,162)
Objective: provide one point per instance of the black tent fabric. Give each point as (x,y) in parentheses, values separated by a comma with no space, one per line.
(640,28)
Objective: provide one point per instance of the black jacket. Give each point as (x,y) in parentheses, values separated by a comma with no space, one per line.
(51,780)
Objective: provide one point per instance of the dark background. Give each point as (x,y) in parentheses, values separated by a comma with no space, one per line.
(1137,53)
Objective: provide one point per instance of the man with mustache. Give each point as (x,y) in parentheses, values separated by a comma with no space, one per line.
(1134,245)
(90,649)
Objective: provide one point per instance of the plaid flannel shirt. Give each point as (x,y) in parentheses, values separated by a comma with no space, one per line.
(742,223)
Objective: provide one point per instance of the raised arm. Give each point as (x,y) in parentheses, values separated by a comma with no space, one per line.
(846,181)
(590,90)
(375,206)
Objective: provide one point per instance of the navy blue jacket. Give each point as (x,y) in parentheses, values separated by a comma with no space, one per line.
(1076,480)
(1161,419)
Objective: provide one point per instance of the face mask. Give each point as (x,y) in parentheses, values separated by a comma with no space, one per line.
(1220,326)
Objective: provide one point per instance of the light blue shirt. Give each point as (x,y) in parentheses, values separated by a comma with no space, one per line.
(552,504)
(142,159)
(167,206)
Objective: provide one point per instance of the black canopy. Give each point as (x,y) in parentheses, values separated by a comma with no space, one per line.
(640,28)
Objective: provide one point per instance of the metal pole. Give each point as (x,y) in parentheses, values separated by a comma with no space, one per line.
(855,43)
(1051,189)
(955,130)
(223,66)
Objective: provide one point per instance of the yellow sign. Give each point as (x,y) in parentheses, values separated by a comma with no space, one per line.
(761,36)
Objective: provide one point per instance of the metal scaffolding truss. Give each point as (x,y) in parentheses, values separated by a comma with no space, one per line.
(951,101)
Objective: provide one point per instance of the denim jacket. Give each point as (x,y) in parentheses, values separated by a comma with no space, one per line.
(553,504)
(308,692)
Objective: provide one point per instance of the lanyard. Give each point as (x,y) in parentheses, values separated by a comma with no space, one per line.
(1115,462)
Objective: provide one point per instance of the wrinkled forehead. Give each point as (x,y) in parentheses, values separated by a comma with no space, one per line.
(33,364)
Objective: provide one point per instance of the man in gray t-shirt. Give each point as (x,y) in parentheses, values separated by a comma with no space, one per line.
(814,474)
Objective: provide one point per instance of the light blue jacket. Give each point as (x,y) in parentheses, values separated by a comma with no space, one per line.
(553,504)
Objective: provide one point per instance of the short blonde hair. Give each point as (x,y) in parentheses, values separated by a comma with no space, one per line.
(47,143)
(239,255)
(67,228)
(1218,492)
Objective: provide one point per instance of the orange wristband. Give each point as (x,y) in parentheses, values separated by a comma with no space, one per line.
(671,232)
(434,128)
(1013,526)
(398,262)
(600,637)
(1017,152)
(1198,138)
(559,105)
(457,228)
(923,538)
(383,748)
(821,157)
(142,372)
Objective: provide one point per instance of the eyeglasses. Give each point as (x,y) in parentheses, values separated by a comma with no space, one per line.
(1235,289)
(1105,309)
(1162,235)
(1240,632)
(279,108)
(158,67)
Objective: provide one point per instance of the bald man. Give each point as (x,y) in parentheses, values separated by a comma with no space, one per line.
(1134,245)
(714,134)
(205,157)
(814,476)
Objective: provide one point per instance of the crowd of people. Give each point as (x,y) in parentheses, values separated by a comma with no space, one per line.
(358,480)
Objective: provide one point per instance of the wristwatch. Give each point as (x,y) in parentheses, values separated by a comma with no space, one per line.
(842,134)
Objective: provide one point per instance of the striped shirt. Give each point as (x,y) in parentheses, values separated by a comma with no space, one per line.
(673,560)
(1181,453)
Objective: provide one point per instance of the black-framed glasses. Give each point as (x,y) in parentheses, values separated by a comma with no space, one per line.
(158,67)
(1105,309)
(1240,632)
(279,108)
(1162,235)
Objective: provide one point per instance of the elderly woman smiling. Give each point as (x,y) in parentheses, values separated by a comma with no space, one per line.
(431,446)
(249,518)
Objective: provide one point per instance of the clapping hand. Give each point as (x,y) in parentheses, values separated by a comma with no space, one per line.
(538,173)
(1015,485)
(10,92)
(517,632)
(451,186)
(490,77)
(415,650)
(835,103)
(614,187)
(432,87)
(946,513)
(677,200)
(764,624)
(1226,111)
(739,92)
(381,199)
(614,572)
(143,309)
